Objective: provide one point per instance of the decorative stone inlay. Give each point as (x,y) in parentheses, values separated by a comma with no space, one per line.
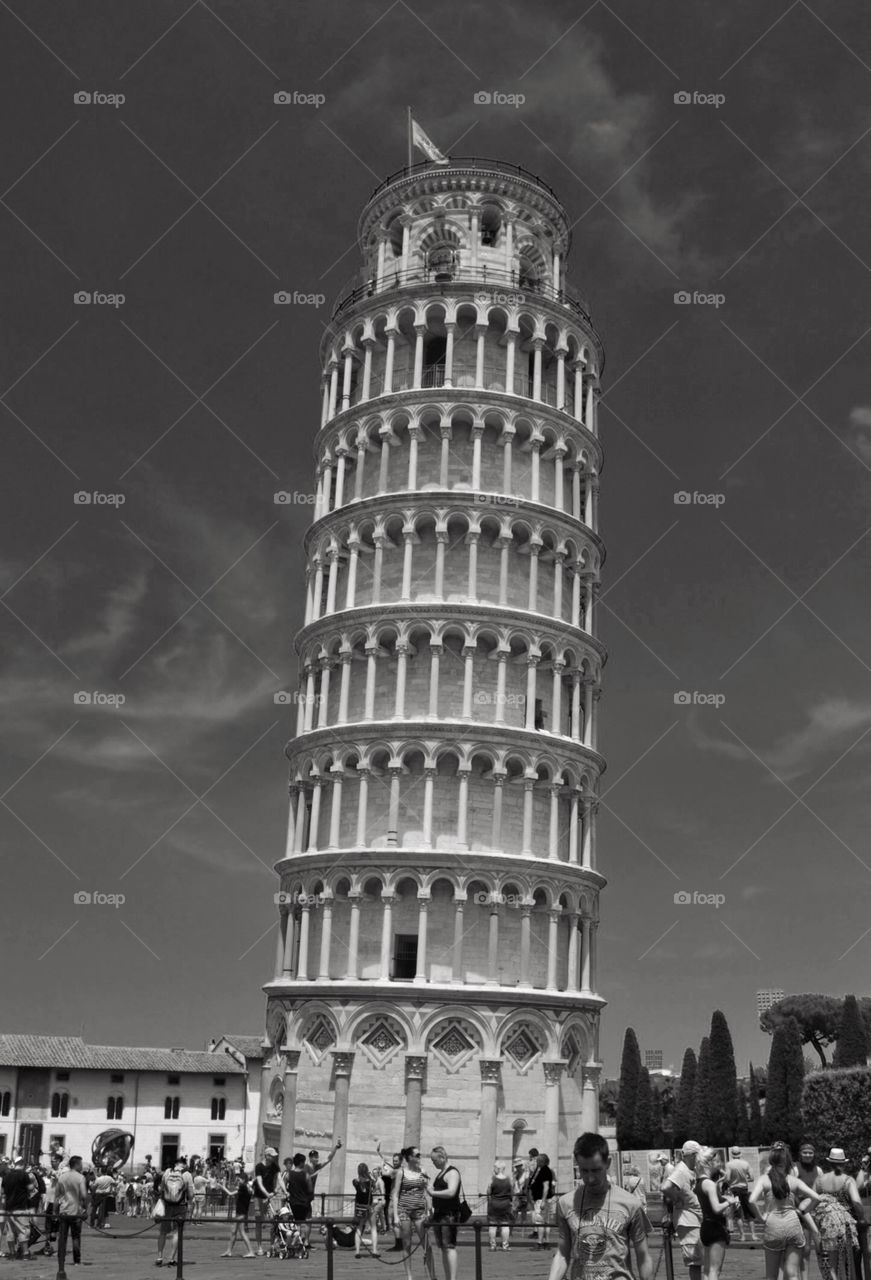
(342,1062)
(380,1039)
(319,1039)
(553,1072)
(276,1024)
(415,1067)
(571,1051)
(523,1046)
(454,1044)
(490,1068)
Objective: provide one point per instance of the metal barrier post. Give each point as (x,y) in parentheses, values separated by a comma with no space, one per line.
(329,1248)
(479,1267)
(179,1257)
(667,1232)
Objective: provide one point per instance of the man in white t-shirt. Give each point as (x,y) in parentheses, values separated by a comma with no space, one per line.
(679,1194)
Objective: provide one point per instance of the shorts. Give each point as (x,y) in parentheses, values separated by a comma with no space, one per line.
(19,1225)
(362,1212)
(714,1233)
(266,1208)
(783,1231)
(690,1244)
(444,1232)
(173,1211)
(743,1196)
(300,1212)
(411,1214)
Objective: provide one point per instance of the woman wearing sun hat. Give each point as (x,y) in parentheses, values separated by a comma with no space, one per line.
(840,1205)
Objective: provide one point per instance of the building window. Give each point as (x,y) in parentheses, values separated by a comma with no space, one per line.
(219,1108)
(173,1079)
(115,1108)
(2,1144)
(61,1075)
(170,1108)
(405,957)
(117,1077)
(60,1105)
(5,1103)
(219,1081)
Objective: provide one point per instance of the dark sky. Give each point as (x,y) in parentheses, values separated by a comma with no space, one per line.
(196,398)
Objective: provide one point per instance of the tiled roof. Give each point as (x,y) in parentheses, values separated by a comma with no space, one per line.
(248,1046)
(71,1053)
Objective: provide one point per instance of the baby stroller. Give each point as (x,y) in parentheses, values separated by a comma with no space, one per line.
(287,1239)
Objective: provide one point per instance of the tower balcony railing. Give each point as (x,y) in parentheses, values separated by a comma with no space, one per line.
(508,286)
(465,162)
(465,377)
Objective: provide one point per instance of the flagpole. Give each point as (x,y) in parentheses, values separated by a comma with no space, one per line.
(410,157)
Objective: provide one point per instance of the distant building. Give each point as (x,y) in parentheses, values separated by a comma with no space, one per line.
(653,1059)
(57,1094)
(765,999)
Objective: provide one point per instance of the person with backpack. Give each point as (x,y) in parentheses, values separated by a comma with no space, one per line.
(176,1195)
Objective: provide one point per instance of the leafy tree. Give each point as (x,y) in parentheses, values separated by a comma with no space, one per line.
(742,1130)
(608,1094)
(754,1110)
(818,1018)
(783,1115)
(630,1072)
(658,1138)
(852,1047)
(683,1106)
(663,1106)
(700,1116)
(838,1103)
(722,1085)
(643,1135)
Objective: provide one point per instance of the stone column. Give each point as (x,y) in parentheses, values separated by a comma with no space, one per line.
(342,1064)
(288,1110)
(368,344)
(572,962)
(457,952)
(420,975)
(289,941)
(279,944)
(265,1079)
(553,916)
(302,960)
(490,1074)
(493,945)
(591,1072)
(585,955)
(415,1068)
(419,331)
(436,651)
(525,939)
(326,939)
(552,1075)
(388,900)
(353,936)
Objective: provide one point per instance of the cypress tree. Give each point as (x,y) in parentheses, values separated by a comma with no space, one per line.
(630,1071)
(722,1085)
(683,1106)
(700,1116)
(643,1123)
(658,1128)
(742,1134)
(852,1047)
(785,1082)
(755,1111)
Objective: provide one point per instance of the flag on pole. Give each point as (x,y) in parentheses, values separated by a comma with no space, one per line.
(425,144)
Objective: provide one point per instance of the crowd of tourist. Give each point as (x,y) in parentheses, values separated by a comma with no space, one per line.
(795,1208)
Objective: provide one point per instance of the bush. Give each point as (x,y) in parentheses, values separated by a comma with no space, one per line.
(837,1109)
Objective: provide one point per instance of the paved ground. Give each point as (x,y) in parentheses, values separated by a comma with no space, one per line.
(132,1258)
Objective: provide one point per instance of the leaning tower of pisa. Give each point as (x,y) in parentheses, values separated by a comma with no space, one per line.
(435,972)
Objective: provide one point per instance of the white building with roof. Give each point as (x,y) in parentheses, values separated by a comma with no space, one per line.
(58,1093)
